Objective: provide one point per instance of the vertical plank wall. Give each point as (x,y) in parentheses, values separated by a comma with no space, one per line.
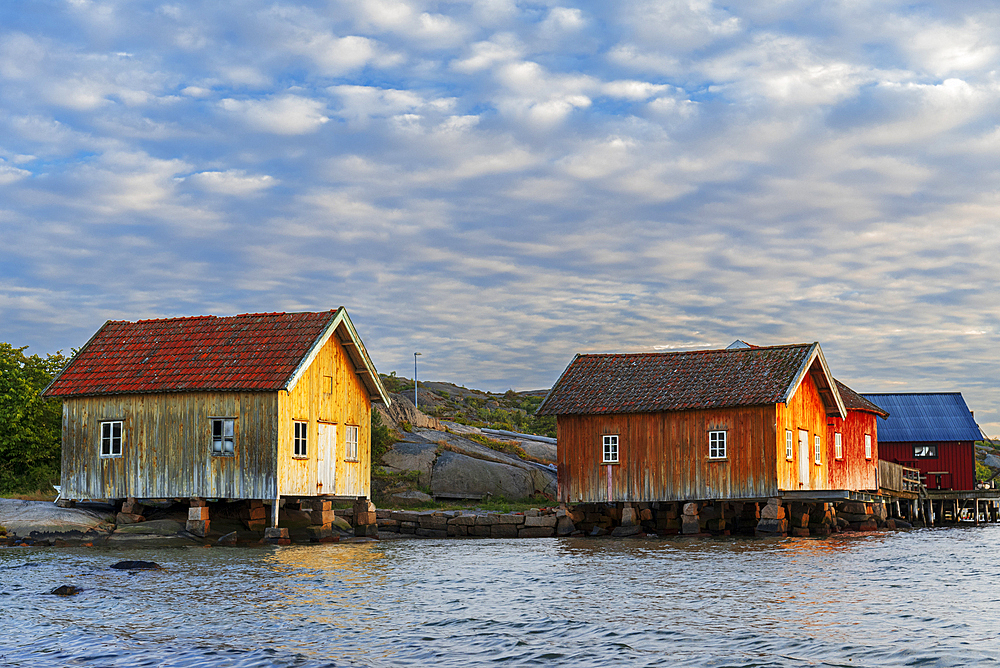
(166,451)
(957,458)
(664,456)
(853,472)
(805,410)
(309,401)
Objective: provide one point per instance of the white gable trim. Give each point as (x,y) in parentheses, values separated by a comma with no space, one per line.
(815,352)
(341,319)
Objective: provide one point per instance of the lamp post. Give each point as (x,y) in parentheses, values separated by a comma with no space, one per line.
(415,379)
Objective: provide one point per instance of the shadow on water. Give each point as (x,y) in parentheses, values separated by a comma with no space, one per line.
(919,598)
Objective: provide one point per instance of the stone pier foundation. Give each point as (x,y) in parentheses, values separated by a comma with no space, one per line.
(198,519)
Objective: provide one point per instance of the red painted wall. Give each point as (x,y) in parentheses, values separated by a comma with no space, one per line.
(957,458)
(853,471)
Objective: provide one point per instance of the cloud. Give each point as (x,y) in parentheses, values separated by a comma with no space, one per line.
(516,181)
(231,182)
(284,114)
(9,174)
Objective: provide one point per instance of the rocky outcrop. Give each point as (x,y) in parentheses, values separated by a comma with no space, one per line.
(450,464)
(40,519)
(412,456)
(459,474)
(403,411)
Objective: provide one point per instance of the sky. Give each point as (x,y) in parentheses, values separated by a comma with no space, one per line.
(501,184)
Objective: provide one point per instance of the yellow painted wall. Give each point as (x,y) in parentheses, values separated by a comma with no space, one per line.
(311,402)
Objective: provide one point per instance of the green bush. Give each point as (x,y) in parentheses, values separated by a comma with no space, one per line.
(30,427)
(382,437)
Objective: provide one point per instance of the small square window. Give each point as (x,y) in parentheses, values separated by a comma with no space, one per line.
(818,455)
(610,449)
(111,438)
(301,440)
(351,449)
(328,384)
(716,445)
(223,436)
(838,446)
(924,451)
(789,445)
(868,446)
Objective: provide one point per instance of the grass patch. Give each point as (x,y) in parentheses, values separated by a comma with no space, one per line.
(40,495)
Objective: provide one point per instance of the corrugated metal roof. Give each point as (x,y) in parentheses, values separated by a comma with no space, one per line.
(646,382)
(924,417)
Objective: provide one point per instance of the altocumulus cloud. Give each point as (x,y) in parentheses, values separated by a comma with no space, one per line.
(500,184)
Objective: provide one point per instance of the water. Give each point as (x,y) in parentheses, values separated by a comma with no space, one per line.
(924,598)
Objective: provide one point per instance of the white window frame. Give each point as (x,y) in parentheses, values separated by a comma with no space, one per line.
(868,446)
(110,440)
(717,444)
(789,445)
(351,443)
(818,452)
(838,446)
(610,449)
(222,440)
(300,439)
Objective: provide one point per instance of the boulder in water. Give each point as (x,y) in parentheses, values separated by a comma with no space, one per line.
(66,590)
(136,566)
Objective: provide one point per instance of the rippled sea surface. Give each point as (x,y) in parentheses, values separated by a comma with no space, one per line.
(923,598)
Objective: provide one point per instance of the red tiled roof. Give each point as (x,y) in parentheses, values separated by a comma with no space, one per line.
(648,382)
(254,351)
(855,402)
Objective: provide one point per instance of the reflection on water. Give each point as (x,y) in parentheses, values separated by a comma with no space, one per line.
(921,598)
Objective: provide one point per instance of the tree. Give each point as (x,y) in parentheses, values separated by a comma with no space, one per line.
(30,427)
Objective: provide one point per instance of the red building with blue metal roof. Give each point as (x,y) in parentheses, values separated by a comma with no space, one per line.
(933,432)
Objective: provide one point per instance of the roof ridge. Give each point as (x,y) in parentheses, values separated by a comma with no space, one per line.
(700,351)
(221,317)
(890,394)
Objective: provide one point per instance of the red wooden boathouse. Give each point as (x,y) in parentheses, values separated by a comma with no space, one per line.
(744,423)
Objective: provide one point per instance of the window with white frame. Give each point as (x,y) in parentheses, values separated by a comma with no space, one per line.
(789,445)
(868,446)
(112,438)
(301,440)
(817,457)
(716,445)
(838,446)
(351,449)
(610,449)
(223,436)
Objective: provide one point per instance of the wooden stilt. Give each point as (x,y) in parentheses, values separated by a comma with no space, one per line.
(274,511)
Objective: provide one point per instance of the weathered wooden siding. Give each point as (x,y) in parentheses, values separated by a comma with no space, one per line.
(664,456)
(167,446)
(311,401)
(853,472)
(956,461)
(805,410)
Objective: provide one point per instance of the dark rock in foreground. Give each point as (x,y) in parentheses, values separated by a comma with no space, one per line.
(136,566)
(66,590)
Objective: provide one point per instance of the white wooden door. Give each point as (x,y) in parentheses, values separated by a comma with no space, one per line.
(803,459)
(326,459)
